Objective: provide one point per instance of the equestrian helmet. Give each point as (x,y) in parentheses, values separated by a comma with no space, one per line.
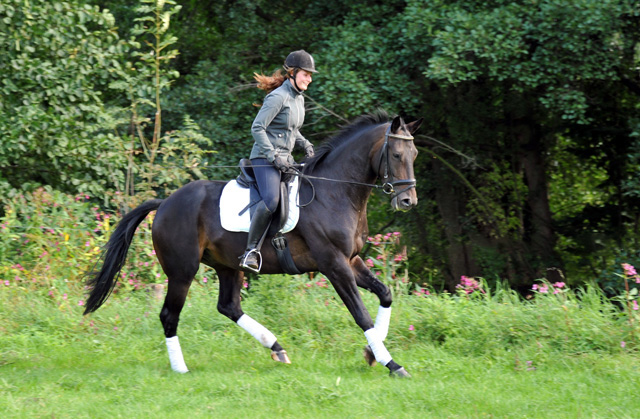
(300,59)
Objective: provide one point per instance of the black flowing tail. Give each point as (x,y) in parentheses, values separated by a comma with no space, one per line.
(115,254)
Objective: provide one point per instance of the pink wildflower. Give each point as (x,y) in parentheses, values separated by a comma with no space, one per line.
(635,304)
(411,328)
(80,303)
(204,279)
(369,262)
(629,269)
(469,285)
(623,344)
(559,284)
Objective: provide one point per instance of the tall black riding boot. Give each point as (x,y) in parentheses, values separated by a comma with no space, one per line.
(252,259)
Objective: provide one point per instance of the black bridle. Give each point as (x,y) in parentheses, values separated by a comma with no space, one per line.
(388,184)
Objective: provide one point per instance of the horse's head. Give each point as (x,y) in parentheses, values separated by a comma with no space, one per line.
(395,167)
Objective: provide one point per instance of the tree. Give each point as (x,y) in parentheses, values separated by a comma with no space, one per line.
(57,60)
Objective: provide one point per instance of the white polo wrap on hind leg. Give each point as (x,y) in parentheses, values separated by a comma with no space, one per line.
(375,342)
(175,355)
(382,321)
(258,331)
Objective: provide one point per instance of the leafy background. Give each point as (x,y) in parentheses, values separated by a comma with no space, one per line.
(528,158)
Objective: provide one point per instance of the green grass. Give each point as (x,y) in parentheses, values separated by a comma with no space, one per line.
(484,357)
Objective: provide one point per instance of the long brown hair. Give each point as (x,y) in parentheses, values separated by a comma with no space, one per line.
(272,82)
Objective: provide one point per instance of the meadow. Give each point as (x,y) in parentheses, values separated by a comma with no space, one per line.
(483,351)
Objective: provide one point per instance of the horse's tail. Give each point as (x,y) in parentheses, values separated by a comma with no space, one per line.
(115,254)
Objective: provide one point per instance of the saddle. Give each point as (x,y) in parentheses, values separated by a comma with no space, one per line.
(237,204)
(247,179)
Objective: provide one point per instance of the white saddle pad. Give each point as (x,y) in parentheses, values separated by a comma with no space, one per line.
(235,198)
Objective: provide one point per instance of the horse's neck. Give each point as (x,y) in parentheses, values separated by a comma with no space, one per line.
(354,162)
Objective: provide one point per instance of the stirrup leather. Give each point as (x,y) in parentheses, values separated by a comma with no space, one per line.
(243,263)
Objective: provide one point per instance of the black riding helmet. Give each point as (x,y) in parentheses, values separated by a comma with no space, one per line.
(300,59)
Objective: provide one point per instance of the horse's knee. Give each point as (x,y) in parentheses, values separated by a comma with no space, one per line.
(231,311)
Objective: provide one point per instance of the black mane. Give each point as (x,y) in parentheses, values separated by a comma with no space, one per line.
(375,118)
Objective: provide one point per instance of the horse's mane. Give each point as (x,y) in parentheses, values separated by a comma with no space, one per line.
(364,121)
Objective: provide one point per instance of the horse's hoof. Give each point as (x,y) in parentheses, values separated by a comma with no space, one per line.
(280,356)
(369,356)
(400,372)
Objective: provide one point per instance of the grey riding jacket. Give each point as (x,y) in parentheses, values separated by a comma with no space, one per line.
(276,129)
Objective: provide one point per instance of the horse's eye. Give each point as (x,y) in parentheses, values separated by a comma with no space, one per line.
(396,156)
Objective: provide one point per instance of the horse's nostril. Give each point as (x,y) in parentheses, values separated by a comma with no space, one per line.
(406,202)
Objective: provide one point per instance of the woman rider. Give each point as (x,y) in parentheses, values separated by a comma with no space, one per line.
(276,131)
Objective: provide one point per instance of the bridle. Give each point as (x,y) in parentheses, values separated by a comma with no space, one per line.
(388,184)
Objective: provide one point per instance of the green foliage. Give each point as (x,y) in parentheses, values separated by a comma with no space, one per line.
(50,240)
(517,96)
(58,58)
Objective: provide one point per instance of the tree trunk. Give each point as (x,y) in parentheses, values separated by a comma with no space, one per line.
(450,200)
(539,237)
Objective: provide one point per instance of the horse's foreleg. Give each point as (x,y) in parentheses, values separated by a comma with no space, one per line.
(229,305)
(343,279)
(367,280)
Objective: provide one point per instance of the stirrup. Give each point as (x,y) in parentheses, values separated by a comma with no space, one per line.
(244,257)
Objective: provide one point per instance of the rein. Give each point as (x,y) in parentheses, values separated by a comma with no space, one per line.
(388,187)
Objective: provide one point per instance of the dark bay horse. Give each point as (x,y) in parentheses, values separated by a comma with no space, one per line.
(330,233)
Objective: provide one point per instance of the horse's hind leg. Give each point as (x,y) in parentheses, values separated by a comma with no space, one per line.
(367,280)
(177,291)
(180,264)
(229,304)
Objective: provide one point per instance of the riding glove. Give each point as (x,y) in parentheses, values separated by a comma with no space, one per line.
(282,164)
(308,151)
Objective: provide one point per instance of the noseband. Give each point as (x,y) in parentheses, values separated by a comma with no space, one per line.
(388,184)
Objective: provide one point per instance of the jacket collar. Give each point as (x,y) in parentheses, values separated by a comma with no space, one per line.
(290,87)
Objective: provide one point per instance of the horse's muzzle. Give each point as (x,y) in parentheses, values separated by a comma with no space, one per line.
(404,202)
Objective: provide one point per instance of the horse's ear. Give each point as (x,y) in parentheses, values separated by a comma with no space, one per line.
(396,124)
(413,126)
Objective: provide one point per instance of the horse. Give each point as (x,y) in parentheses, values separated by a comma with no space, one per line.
(331,231)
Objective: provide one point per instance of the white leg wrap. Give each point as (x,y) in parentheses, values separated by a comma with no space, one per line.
(258,331)
(175,355)
(382,321)
(379,351)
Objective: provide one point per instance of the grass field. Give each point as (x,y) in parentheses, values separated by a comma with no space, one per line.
(494,356)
